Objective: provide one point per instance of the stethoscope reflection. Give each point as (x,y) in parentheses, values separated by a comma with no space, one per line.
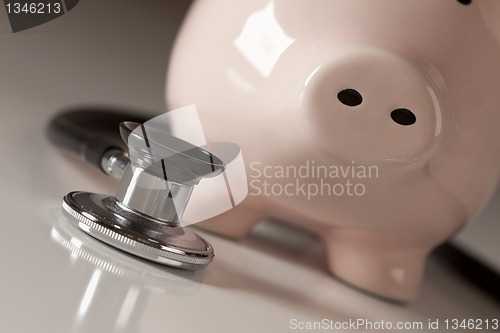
(116,287)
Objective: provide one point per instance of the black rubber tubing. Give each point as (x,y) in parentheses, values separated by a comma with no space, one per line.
(90,132)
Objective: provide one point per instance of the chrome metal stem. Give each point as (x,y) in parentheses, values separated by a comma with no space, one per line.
(114,162)
(153,196)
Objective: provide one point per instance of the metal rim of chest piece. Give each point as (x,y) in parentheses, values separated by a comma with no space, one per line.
(106,219)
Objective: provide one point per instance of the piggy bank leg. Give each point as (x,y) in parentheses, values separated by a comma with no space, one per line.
(387,264)
(238,221)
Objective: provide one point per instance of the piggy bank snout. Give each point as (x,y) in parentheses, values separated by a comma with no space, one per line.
(369,104)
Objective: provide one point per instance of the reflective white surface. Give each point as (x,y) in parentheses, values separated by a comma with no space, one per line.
(54,278)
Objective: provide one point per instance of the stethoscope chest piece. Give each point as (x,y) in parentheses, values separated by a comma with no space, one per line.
(157,177)
(156,183)
(107,219)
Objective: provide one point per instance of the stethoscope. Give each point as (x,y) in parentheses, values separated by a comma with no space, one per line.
(158,174)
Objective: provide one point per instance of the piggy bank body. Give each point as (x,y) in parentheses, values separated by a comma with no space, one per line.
(374,124)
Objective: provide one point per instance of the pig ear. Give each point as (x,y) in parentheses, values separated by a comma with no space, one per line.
(490,11)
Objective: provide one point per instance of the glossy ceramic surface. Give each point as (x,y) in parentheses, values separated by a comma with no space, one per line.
(276,76)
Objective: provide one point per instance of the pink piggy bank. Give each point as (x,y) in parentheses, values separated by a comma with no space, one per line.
(374,124)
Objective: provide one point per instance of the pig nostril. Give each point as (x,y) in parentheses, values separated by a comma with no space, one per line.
(403,117)
(465,2)
(350,97)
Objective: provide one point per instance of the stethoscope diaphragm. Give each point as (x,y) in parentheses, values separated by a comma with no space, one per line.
(104,218)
